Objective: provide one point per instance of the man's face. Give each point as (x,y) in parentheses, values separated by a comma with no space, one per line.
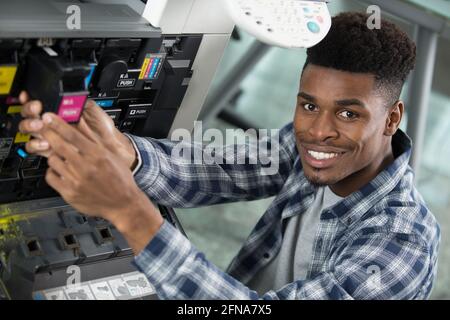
(339,124)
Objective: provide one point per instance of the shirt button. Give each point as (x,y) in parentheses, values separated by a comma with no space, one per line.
(319,243)
(266,255)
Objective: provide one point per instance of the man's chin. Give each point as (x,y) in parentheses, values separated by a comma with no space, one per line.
(319,181)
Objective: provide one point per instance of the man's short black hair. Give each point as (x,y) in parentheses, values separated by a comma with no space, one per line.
(388,52)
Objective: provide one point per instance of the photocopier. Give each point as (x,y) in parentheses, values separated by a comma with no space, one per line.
(149,66)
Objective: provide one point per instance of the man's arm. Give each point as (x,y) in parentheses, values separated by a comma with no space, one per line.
(179,181)
(182,181)
(374,266)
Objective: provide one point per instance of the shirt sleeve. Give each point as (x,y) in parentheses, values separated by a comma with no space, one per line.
(138,156)
(187,174)
(375,266)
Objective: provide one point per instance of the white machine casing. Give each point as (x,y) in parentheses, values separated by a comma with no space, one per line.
(282,23)
(204,17)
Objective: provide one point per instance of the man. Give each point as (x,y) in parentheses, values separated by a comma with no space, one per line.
(346,222)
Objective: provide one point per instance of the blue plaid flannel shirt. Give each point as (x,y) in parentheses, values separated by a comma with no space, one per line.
(380,242)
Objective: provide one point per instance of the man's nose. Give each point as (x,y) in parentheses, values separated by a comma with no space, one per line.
(323,127)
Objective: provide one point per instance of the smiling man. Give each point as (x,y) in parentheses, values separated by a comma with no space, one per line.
(344,126)
(346,223)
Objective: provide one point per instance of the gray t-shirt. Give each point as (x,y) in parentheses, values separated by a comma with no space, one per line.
(293,260)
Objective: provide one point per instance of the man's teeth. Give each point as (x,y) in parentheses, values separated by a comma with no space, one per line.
(322,155)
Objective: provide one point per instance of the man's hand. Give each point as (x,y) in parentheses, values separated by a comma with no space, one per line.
(93,118)
(33,125)
(96,182)
(103,127)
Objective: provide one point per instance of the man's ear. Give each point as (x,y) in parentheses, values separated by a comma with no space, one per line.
(395,115)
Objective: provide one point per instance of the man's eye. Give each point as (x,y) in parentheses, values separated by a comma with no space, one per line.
(309,107)
(348,114)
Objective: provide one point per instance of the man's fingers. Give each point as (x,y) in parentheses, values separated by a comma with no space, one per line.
(90,105)
(30,126)
(37,146)
(87,131)
(24,97)
(31,109)
(55,181)
(97,119)
(62,148)
(60,167)
(66,132)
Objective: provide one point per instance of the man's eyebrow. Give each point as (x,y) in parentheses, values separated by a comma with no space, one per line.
(350,102)
(306,96)
(341,103)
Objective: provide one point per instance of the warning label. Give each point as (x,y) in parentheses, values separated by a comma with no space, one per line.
(22,138)
(14,109)
(7,75)
(127,286)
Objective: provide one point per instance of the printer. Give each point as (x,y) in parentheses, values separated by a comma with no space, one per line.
(149,65)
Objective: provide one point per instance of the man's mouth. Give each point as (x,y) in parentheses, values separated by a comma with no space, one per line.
(322,155)
(320,158)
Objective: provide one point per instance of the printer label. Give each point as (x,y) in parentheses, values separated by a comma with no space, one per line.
(126,83)
(151,66)
(71,108)
(22,138)
(14,109)
(125,286)
(137,112)
(5,147)
(7,75)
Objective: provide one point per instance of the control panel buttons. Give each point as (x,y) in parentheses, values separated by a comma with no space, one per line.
(284,23)
(313,27)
